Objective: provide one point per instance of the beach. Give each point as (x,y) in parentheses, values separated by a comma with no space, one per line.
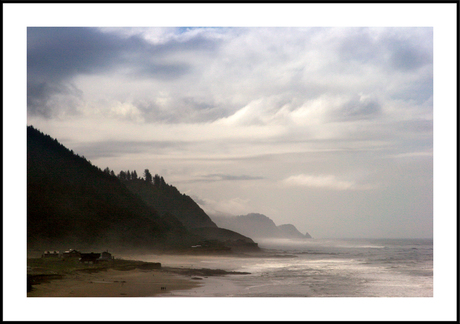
(312,269)
(326,268)
(114,283)
(120,278)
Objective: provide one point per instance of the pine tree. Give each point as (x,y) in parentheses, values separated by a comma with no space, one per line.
(156,181)
(147,175)
(122,175)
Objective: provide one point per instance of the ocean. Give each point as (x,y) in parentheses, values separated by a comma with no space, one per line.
(317,268)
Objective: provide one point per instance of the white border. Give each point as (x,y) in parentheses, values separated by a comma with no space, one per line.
(16,17)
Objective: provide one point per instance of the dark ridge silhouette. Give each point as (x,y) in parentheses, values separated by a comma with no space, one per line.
(71,202)
(234,240)
(74,204)
(169,202)
(165,198)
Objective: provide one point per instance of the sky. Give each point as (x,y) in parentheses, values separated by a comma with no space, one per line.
(318,115)
(329,129)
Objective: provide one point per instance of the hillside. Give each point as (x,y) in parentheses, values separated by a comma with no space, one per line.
(74,204)
(71,203)
(233,240)
(256,225)
(165,198)
(168,201)
(252,225)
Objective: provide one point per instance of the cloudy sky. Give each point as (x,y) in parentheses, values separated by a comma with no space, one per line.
(330,129)
(326,128)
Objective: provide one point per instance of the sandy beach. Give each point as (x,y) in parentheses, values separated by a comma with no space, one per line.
(129,277)
(115,283)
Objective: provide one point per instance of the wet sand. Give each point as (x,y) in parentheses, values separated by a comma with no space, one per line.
(115,283)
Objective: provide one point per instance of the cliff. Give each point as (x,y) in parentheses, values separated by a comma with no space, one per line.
(256,225)
(290,231)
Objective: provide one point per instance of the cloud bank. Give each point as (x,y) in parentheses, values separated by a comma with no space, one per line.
(319,181)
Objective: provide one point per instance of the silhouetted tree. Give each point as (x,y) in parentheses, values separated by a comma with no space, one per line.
(156,181)
(147,175)
(122,175)
(134,175)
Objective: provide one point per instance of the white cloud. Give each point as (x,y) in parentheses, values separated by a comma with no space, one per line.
(319,181)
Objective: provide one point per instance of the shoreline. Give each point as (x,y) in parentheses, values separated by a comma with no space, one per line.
(134,279)
(113,283)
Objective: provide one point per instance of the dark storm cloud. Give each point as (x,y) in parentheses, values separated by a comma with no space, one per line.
(56,55)
(59,53)
(41,97)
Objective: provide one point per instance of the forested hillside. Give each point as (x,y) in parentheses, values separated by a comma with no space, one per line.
(74,204)
(165,198)
(168,201)
(71,202)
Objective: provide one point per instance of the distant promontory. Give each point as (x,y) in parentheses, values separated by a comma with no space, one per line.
(257,225)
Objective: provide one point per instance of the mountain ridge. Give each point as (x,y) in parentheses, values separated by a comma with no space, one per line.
(256,225)
(166,198)
(72,203)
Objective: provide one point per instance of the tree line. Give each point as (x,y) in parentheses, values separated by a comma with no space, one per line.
(158,181)
(52,143)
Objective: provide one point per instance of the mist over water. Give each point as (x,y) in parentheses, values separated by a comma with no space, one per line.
(318,268)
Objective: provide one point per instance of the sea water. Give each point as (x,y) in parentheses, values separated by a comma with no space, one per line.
(321,268)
